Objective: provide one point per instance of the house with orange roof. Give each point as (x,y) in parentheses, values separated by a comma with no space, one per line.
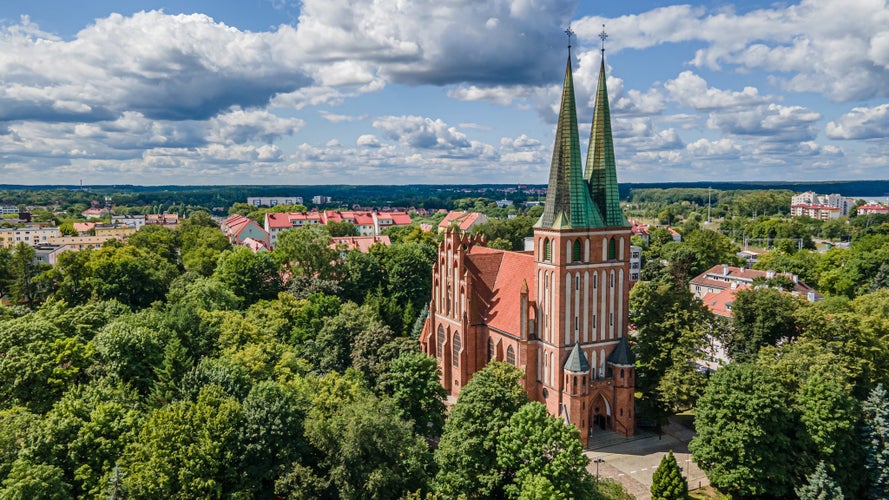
(361,243)
(238,229)
(872,208)
(94,213)
(83,228)
(462,221)
(716,287)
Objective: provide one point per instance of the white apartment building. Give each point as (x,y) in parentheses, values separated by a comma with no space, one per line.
(273,201)
(822,207)
(31,235)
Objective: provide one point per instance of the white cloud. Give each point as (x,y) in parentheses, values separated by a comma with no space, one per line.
(239,126)
(422,133)
(368,141)
(720,148)
(337,118)
(689,89)
(162,66)
(861,123)
(839,48)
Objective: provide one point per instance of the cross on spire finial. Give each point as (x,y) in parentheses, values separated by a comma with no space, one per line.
(603,36)
(570,33)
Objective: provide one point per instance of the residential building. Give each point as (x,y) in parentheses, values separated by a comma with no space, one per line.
(77,243)
(321,200)
(821,207)
(815,211)
(716,286)
(94,213)
(168,220)
(238,229)
(133,221)
(640,230)
(367,223)
(30,235)
(45,253)
(255,245)
(9,210)
(83,228)
(115,231)
(361,243)
(560,311)
(873,208)
(273,201)
(462,221)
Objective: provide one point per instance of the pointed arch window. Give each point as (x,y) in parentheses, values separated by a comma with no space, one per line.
(457,346)
(510,355)
(612,249)
(547,250)
(441,339)
(575,252)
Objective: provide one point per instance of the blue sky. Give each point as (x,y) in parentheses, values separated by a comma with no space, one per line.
(436,91)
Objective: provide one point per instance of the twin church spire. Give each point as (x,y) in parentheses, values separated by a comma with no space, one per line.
(575,199)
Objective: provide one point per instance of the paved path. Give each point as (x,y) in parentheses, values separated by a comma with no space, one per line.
(633,462)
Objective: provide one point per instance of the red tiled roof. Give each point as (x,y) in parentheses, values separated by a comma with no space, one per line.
(719,302)
(464,220)
(717,277)
(254,245)
(397,218)
(498,277)
(362,243)
(82,227)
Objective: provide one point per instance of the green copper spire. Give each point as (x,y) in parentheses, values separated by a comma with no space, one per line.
(568,204)
(601,172)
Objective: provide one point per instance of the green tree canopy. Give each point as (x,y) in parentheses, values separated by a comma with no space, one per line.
(536,444)
(467,453)
(667,482)
(746,432)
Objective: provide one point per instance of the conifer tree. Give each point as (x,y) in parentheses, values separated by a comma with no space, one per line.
(876,442)
(667,482)
(169,374)
(820,486)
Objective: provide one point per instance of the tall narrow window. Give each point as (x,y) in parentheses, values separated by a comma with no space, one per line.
(577,282)
(456,348)
(547,251)
(575,254)
(612,251)
(595,281)
(490,349)
(510,355)
(441,338)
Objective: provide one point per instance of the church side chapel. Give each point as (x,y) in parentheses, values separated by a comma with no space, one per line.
(558,312)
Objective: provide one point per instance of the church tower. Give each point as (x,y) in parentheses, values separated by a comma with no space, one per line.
(582,244)
(559,312)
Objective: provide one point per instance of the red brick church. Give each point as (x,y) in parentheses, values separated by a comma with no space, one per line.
(558,312)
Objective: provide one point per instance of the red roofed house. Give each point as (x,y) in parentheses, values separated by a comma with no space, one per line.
(464,221)
(360,243)
(169,220)
(559,311)
(238,229)
(367,223)
(716,287)
(83,227)
(872,208)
